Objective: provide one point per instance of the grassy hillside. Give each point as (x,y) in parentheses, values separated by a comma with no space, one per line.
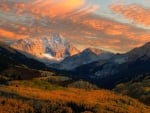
(40,78)
(10,105)
(47,98)
(25,90)
(138,88)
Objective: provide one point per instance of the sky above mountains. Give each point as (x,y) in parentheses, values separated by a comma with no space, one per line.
(114,25)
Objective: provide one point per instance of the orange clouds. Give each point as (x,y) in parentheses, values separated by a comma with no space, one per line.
(43,7)
(53,8)
(75,20)
(134,12)
(4,7)
(106,26)
(50,8)
(113,35)
(11,35)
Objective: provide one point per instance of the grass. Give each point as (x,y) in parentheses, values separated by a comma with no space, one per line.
(36,83)
(43,96)
(137,89)
(97,101)
(14,106)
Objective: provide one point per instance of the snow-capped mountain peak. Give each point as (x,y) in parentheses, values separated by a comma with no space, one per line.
(54,47)
(56,38)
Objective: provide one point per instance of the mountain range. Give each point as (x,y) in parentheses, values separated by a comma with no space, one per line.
(44,87)
(86,56)
(57,52)
(100,67)
(119,68)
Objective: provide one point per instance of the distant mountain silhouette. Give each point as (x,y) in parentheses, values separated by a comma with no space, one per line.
(120,68)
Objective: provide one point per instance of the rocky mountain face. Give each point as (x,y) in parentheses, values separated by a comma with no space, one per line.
(10,57)
(86,56)
(51,48)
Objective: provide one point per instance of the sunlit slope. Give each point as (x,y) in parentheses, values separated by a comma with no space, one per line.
(68,100)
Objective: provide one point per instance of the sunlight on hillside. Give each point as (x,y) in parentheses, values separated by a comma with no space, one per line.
(97,101)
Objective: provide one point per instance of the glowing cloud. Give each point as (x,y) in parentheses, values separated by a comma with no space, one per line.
(134,12)
(55,8)
(8,34)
